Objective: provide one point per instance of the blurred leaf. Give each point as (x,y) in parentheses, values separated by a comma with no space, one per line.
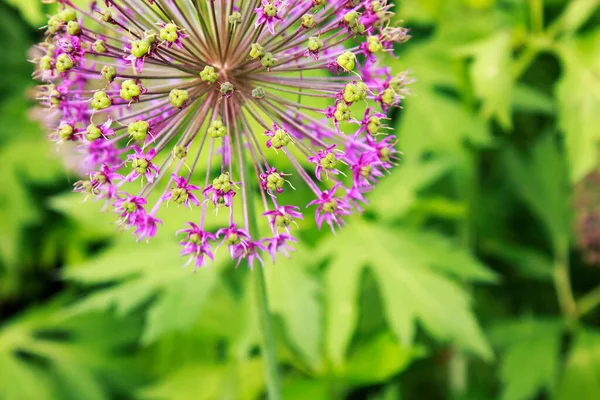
(581,378)
(491,76)
(408,271)
(31,10)
(578,95)
(530,100)
(379,359)
(526,262)
(541,182)
(530,359)
(576,13)
(302,389)
(242,380)
(140,272)
(44,357)
(294,295)
(433,122)
(395,194)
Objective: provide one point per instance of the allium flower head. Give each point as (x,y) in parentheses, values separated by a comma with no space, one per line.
(158,91)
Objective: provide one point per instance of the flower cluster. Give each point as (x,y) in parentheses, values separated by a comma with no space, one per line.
(148,90)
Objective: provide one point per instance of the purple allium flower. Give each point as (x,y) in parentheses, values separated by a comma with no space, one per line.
(167,91)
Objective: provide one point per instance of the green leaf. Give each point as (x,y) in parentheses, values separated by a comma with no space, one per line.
(581,378)
(530,360)
(395,194)
(203,381)
(530,100)
(578,95)
(577,13)
(45,357)
(491,76)
(31,10)
(433,122)
(409,272)
(542,184)
(294,296)
(378,360)
(139,273)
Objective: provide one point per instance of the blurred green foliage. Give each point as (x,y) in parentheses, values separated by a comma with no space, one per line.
(463,280)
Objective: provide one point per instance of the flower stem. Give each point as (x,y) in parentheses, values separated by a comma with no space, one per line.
(562,284)
(267,338)
(268,348)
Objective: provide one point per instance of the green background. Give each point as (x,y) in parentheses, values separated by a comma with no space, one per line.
(473,274)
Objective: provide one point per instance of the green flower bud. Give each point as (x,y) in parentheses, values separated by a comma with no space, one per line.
(226,88)
(374,124)
(99,46)
(217,129)
(109,73)
(283,221)
(129,90)
(308,21)
(222,183)
(100,101)
(280,139)
(180,152)
(314,44)
(67,15)
(179,195)
(73,28)
(138,130)
(270,10)
(256,51)
(235,18)
(388,97)
(384,154)
(354,92)
(358,29)
(64,63)
(107,15)
(347,60)
(178,97)
(376,6)
(373,44)
(169,33)
(351,18)
(275,181)
(46,63)
(232,238)
(208,74)
(129,207)
(342,112)
(140,165)
(318,3)
(363,89)
(54,24)
(139,48)
(92,132)
(328,162)
(331,206)
(258,92)
(65,131)
(366,171)
(268,61)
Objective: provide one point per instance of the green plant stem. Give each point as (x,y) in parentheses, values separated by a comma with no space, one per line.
(269,351)
(589,302)
(536,10)
(562,284)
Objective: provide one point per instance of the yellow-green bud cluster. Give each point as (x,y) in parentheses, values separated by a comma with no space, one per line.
(217,129)
(178,97)
(138,130)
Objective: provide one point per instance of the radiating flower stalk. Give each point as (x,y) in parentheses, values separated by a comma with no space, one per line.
(130,81)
